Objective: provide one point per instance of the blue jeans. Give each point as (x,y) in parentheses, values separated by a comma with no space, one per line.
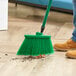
(74,20)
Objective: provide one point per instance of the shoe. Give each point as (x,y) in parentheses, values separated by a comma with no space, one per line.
(71,54)
(68,45)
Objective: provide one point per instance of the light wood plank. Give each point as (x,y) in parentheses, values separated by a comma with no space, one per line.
(65,32)
(1,64)
(18,68)
(56,65)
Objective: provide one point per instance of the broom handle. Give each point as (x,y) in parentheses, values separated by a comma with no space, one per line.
(46,16)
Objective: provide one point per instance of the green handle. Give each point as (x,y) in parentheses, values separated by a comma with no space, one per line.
(46,15)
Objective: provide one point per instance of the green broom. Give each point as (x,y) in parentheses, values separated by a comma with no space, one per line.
(38,44)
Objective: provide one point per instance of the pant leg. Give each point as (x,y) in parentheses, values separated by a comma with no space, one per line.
(74,12)
(74,20)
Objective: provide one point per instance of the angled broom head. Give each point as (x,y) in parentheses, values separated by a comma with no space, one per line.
(35,45)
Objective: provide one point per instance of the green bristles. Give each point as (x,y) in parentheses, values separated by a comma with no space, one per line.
(35,45)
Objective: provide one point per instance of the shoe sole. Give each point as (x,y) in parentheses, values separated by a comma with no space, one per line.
(62,50)
(70,57)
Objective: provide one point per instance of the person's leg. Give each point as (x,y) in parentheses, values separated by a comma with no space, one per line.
(72,53)
(74,20)
(70,44)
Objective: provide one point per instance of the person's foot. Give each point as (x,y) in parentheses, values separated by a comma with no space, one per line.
(71,54)
(68,45)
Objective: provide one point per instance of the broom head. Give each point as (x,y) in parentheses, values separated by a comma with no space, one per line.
(35,45)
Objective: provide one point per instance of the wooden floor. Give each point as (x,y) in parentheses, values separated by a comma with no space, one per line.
(27,20)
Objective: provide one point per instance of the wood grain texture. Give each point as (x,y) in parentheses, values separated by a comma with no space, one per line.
(65,32)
